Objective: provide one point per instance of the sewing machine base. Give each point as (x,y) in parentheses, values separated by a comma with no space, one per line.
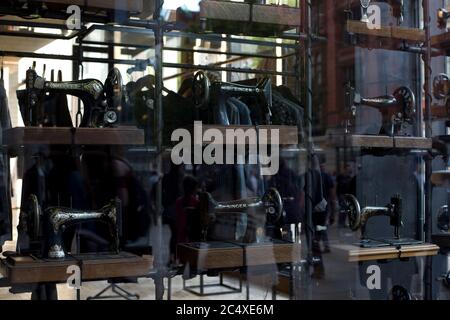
(379,243)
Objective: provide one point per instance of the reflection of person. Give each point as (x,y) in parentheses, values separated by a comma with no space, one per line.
(187,217)
(290,187)
(171,191)
(322,219)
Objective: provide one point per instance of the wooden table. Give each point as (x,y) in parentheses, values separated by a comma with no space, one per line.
(353,253)
(203,257)
(381,142)
(31,270)
(226,255)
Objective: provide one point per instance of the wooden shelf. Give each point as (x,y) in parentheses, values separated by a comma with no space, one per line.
(29,269)
(79,136)
(381,142)
(205,256)
(352,253)
(442,41)
(441,178)
(439,112)
(387,37)
(244,12)
(231,17)
(133,6)
(397,33)
(442,240)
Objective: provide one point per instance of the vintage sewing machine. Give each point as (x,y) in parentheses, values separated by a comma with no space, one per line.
(358,219)
(100,109)
(45,229)
(222,221)
(398,110)
(215,94)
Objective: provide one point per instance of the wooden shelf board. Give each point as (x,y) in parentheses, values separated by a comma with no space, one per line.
(28,269)
(64,136)
(441,40)
(439,112)
(225,255)
(242,12)
(382,142)
(354,253)
(441,178)
(396,33)
(134,6)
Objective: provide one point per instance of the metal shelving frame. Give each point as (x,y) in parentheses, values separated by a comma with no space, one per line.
(426,52)
(160,30)
(301,43)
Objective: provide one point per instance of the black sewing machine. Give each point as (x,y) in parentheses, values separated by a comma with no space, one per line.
(45,229)
(223,219)
(358,219)
(99,102)
(205,94)
(398,110)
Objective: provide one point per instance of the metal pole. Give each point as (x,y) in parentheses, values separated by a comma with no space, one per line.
(159,263)
(309,137)
(428,276)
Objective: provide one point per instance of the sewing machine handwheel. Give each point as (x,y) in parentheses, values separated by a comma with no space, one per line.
(399,293)
(274,205)
(443,219)
(406,97)
(110,117)
(441,86)
(34,213)
(350,206)
(200,90)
